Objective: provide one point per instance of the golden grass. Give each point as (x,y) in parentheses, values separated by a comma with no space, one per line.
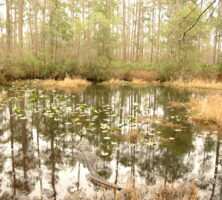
(139,82)
(114,82)
(207,109)
(182,191)
(171,192)
(132,136)
(196,84)
(76,84)
(134,83)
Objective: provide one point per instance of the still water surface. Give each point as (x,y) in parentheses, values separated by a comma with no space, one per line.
(40,129)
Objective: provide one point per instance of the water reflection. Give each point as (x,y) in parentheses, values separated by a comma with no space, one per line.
(40,129)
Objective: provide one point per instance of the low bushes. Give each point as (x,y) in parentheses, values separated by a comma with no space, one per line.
(174,70)
(102,68)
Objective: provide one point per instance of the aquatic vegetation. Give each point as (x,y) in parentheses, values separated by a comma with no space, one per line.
(183,191)
(114,83)
(180,192)
(207,109)
(202,84)
(126,130)
(76,84)
(132,136)
(139,82)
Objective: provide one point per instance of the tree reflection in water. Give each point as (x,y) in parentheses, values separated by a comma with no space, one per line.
(40,130)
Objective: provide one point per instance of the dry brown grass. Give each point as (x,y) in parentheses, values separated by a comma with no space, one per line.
(207,109)
(134,83)
(139,82)
(114,83)
(76,84)
(171,192)
(145,75)
(133,136)
(183,191)
(196,84)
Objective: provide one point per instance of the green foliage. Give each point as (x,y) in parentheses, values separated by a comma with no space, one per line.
(59,23)
(98,68)
(184,45)
(102,19)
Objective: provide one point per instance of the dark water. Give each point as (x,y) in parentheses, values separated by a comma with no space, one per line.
(40,129)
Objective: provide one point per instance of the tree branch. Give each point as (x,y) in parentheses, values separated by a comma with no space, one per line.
(194,24)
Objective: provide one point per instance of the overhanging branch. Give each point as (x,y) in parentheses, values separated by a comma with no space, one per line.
(194,24)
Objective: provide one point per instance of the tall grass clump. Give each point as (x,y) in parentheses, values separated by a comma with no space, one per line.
(139,82)
(207,109)
(196,83)
(113,82)
(171,192)
(66,84)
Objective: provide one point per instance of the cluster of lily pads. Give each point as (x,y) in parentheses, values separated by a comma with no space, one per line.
(111,123)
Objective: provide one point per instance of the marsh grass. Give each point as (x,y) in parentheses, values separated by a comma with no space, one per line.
(139,82)
(132,136)
(198,83)
(75,84)
(208,109)
(114,83)
(182,191)
(171,192)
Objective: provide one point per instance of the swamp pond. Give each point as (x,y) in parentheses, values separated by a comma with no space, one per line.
(136,132)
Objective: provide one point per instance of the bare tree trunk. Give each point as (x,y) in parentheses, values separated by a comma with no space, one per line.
(20,24)
(44,32)
(124,30)
(219,34)
(8,26)
(138,30)
(152,33)
(36,29)
(159,29)
(15,29)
